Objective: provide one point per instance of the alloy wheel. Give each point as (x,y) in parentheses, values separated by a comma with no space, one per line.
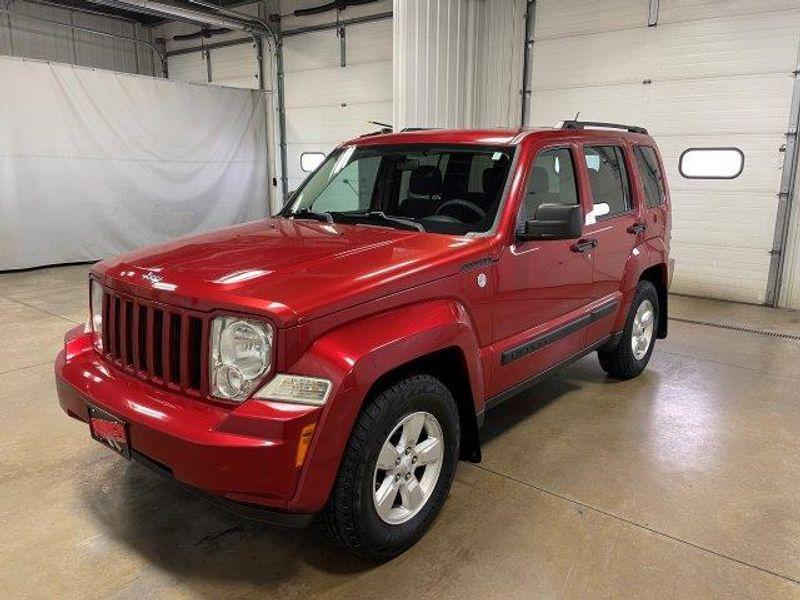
(642,330)
(408,468)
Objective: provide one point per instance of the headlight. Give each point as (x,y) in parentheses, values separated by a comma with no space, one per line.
(96,312)
(240,355)
(297,389)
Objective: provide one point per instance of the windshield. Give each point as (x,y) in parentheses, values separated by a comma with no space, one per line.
(443,189)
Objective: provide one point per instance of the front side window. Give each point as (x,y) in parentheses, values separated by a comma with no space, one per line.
(608,179)
(442,189)
(650,173)
(551,180)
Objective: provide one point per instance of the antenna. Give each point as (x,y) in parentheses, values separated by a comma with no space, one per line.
(577,114)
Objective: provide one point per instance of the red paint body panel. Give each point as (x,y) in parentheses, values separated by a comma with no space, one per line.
(249,450)
(351,303)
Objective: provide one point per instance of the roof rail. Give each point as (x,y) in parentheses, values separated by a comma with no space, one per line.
(379,132)
(583,124)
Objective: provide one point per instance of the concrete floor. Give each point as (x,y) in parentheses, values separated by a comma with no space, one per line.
(682,483)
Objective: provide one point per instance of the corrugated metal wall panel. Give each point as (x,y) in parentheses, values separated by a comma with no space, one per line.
(28,38)
(435,62)
(458,63)
(711,73)
(35,39)
(500,55)
(149,62)
(105,52)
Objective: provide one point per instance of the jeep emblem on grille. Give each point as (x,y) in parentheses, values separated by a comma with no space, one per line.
(152,277)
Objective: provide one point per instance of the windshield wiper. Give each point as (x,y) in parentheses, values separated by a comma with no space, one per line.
(379,215)
(305,213)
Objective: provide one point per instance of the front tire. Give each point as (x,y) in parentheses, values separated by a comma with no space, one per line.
(397,469)
(631,355)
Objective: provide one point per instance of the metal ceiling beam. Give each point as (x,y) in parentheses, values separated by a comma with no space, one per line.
(285,33)
(204,15)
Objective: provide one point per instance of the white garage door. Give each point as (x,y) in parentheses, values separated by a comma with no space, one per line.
(712,73)
(231,66)
(235,66)
(327,103)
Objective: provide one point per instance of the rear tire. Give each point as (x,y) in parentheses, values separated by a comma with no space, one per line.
(632,353)
(389,489)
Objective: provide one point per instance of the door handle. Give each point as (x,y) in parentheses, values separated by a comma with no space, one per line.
(637,228)
(584,245)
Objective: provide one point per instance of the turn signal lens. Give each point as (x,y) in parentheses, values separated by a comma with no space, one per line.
(296,389)
(302,446)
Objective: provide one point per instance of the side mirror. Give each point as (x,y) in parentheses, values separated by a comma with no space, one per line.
(554,222)
(601,209)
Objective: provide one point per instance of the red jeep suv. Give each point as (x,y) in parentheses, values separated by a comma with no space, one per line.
(338,358)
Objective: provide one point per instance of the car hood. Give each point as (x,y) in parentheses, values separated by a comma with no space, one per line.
(292,270)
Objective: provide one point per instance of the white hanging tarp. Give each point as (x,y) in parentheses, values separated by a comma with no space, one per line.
(94,163)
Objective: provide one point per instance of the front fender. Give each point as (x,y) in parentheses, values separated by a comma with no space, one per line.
(354,356)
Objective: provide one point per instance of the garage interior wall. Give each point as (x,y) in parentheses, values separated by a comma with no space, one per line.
(326,102)
(94,163)
(234,65)
(707,73)
(458,63)
(34,38)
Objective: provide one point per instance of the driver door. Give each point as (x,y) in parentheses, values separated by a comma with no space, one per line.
(544,286)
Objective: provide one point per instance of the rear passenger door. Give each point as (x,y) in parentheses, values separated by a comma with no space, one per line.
(611,224)
(651,175)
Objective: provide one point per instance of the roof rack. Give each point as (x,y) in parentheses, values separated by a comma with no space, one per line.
(584,124)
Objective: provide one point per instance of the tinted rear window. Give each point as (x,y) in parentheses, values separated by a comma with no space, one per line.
(650,173)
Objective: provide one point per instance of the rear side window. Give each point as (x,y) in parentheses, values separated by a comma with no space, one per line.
(609,180)
(650,173)
(550,181)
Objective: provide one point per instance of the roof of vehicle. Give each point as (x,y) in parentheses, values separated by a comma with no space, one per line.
(491,137)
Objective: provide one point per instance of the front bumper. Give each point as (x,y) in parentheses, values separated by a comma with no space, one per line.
(244,456)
